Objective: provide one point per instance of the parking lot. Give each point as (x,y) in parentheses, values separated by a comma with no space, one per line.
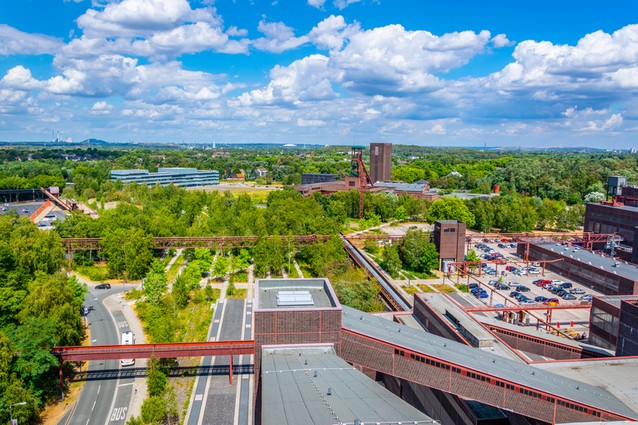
(509,274)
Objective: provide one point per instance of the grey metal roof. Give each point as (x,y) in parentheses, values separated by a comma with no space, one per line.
(466,323)
(268,291)
(604,263)
(292,394)
(402,187)
(482,361)
(532,331)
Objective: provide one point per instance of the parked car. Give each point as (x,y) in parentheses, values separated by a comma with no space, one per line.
(522,288)
(103,286)
(587,297)
(542,282)
(566,285)
(473,285)
(527,301)
(576,291)
(492,282)
(541,299)
(513,284)
(568,296)
(515,294)
(551,301)
(501,286)
(482,294)
(533,272)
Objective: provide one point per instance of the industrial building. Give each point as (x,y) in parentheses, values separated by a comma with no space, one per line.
(313,178)
(613,324)
(603,273)
(380,162)
(449,238)
(311,355)
(184,177)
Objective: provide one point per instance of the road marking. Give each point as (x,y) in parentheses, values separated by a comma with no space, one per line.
(123,324)
(118,414)
(125,385)
(199,397)
(93,405)
(216,321)
(94,340)
(98,389)
(248,325)
(212,362)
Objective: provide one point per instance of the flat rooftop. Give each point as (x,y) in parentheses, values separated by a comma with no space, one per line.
(621,268)
(467,324)
(314,386)
(616,300)
(618,375)
(294,293)
(486,362)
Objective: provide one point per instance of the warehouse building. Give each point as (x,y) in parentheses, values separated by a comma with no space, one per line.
(184,177)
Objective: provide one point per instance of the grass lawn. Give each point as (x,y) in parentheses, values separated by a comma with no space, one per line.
(292,273)
(237,293)
(442,287)
(462,287)
(425,288)
(172,272)
(95,273)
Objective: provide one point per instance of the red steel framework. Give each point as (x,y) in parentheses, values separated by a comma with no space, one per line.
(358,169)
(158,351)
(378,361)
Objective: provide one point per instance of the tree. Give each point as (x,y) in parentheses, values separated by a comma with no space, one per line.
(57,298)
(155,283)
(418,253)
(355,290)
(594,197)
(34,339)
(391,261)
(450,209)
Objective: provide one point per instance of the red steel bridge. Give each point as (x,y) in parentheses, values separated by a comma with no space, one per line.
(158,351)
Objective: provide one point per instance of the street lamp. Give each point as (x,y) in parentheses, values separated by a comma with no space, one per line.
(22,403)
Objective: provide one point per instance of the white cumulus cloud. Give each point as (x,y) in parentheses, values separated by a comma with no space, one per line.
(16,42)
(278,37)
(316,3)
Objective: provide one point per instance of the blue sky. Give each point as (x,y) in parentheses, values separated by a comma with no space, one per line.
(463,73)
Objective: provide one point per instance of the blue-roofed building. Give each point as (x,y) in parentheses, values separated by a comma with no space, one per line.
(184,177)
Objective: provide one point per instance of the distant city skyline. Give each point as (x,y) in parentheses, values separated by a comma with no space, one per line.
(321,72)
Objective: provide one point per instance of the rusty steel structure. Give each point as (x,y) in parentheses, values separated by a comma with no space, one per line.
(358,169)
(158,351)
(213,242)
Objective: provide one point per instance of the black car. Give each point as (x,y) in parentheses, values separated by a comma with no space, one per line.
(566,285)
(521,288)
(515,294)
(501,286)
(541,299)
(103,286)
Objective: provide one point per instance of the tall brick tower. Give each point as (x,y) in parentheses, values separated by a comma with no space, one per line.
(380,162)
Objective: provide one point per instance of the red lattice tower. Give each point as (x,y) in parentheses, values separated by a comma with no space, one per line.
(358,169)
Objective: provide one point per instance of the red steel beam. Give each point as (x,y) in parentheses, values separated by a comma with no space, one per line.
(145,351)
(93,244)
(540,306)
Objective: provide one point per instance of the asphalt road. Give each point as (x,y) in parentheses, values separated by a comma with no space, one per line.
(214,400)
(105,397)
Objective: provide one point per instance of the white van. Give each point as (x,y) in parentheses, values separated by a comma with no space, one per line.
(128,338)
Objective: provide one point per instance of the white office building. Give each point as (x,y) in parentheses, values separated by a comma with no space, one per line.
(184,177)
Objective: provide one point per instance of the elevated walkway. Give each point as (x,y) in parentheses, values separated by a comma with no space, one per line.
(374,344)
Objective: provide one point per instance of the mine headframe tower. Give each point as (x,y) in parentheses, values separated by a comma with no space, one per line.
(358,169)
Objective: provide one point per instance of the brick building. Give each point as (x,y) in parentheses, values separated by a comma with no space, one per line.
(599,272)
(380,162)
(449,238)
